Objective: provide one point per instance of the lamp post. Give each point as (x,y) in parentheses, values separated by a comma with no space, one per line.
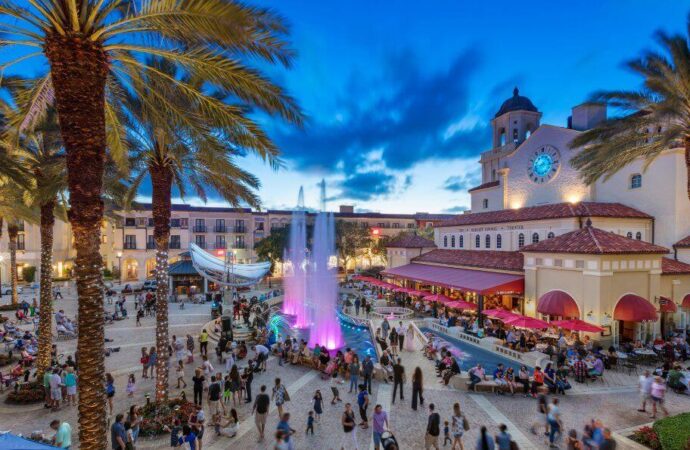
(119,266)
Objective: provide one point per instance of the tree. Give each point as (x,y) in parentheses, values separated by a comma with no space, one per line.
(656,117)
(95,51)
(14,210)
(273,246)
(350,238)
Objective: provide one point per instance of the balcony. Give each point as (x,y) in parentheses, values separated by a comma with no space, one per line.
(174,246)
(130,246)
(221,246)
(199,228)
(220,229)
(151,245)
(201,244)
(21,246)
(240,229)
(240,245)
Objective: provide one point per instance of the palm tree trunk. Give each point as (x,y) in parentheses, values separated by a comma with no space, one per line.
(79,69)
(12,233)
(687,161)
(45,324)
(161,179)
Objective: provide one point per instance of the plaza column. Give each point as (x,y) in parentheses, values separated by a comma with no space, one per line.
(205,285)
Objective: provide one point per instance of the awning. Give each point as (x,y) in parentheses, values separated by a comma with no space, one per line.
(526,322)
(634,308)
(577,325)
(478,281)
(666,305)
(686,302)
(558,303)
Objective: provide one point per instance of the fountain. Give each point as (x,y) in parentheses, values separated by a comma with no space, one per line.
(296,276)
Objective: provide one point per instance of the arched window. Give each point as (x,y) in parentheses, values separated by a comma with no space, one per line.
(445,241)
(499,241)
(638,236)
(515,134)
(629,235)
(487,241)
(636,181)
(535,238)
(462,241)
(452,241)
(521,240)
(550,235)
(502,137)
(477,241)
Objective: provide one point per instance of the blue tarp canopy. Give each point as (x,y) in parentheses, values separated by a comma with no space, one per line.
(10,441)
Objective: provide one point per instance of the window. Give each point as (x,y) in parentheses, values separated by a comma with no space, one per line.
(239,226)
(142,221)
(485,203)
(515,134)
(452,241)
(477,241)
(151,221)
(200,241)
(150,242)
(175,223)
(521,240)
(260,226)
(200,226)
(396,225)
(638,236)
(21,243)
(220,226)
(579,264)
(239,242)
(636,181)
(130,222)
(184,223)
(535,238)
(502,137)
(499,241)
(220,241)
(174,241)
(445,241)
(550,235)
(528,133)
(487,241)
(462,241)
(130,242)
(493,174)
(629,235)
(410,225)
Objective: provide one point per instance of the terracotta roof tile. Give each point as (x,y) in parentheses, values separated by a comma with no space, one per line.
(410,240)
(551,211)
(487,259)
(590,240)
(672,267)
(490,184)
(683,243)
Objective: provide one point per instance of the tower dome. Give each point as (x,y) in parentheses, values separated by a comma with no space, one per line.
(516,103)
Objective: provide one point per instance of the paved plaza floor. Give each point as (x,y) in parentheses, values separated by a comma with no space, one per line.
(615,403)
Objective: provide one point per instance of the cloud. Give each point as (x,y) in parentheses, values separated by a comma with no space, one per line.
(461,183)
(456,209)
(367,185)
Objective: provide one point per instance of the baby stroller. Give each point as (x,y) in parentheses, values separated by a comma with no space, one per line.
(388,441)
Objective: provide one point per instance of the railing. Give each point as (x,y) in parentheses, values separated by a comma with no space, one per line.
(397,311)
(240,229)
(221,245)
(220,229)
(130,246)
(508,352)
(199,229)
(201,244)
(240,245)
(150,245)
(174,246)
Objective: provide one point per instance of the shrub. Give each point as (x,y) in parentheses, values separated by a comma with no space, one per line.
(28,393)
(29,273)
(673,432)
(9,307)
(155,416)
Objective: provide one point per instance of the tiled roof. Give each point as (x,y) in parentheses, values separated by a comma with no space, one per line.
(410,240)
(490,184)
(683,243)
(182,268)
(551,211)
(590,240)
(672,267)
(487,259)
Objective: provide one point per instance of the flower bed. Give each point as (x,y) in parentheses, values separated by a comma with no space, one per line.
(28,393)
(670,433)
(155,416)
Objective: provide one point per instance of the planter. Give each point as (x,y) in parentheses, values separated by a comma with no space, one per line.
(9,307)
(28,393)
(155,416)
(670,433)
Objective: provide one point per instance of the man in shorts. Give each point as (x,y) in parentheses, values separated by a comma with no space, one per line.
(214,404)
(260,410)
(55,389)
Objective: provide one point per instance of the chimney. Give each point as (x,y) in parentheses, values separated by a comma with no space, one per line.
(587,116)
(348,209)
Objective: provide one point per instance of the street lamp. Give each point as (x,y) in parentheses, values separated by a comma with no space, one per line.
(119,265)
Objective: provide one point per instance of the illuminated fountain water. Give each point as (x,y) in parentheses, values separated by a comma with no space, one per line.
(296,277)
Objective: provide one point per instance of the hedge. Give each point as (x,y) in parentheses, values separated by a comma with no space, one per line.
(674,432)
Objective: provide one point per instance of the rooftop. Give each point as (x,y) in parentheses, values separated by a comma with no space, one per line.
(486,259)
(516,103)
(551,211)
(673,267)
(590,240)
(683,243)
(410,240)
(487,185)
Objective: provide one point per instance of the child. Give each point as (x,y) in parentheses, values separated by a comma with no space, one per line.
(180,374)
(310,423)
(131,385)
(227,391)
(446,433)
(318,405)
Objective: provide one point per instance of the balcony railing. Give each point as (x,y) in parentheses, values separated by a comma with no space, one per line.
(199,228)
(220,229)
(221,245)
(201,244)
(21,246)
(174,246)
(240,245)
(130,246)
(240,229)
(150,245)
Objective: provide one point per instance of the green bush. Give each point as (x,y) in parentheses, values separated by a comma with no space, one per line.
(674,432)
(29,273)
(9,307)
(61,279)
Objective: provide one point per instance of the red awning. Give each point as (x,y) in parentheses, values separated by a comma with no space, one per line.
(666,305)
(634,308)
(478,281)
(577,325)
(526,322)
(558,303)
(686,302)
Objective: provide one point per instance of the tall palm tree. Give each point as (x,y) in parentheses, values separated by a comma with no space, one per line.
(15,210)
(657,116)
(94,50)
(195,152)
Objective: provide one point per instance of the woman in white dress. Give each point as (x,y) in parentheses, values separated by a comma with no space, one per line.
(409,339)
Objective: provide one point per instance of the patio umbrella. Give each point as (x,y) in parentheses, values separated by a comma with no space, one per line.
(400,289)
(437,298)
(416,293)
(526,322)
(499,313)
(461,304)
(577,325)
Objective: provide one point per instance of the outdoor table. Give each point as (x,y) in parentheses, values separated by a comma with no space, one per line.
(622,355)
(644,351)
(550,336)
(541,347)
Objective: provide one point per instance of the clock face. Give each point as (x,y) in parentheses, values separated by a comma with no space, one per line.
(544,164)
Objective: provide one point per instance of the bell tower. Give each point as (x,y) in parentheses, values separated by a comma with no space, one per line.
(514,122)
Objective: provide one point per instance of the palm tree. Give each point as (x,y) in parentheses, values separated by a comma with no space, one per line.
(94,50)
(657,119)
(15,211)
(188,153)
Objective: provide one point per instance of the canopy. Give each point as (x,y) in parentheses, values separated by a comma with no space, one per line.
(577,325)
(558,303)
(461,304)
(666,305)
(634,308)
(416,293)
(13,442)
(499,313)
(480,281)
(686,302)
(438,298)
(526,322)
(215,269)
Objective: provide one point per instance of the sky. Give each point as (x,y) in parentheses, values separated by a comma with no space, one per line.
(399,94)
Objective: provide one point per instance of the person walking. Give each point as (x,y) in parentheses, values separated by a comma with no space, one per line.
(354,372)
(409,339)
(118,435)
(417,388)
(658,392)
(318,405)
(284,427)
(110,390)
(198,382)
(180,374)
(144,360)
(459,425)
(503,438)
(153,357)
(363,403)
(645,384)
(368,371)
(554,419)
(260,411)
(203,342)
(400,331)
(380,424)
(385,327)
(484,442)
(398,379)
(348,422)
(280,396)
(433,429)
(393,338)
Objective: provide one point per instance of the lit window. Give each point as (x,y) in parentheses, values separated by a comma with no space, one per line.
(487,241)
(502,138)
(550,235)
(477,241)
(452,241)
(499,241)
(462,241)
(521,240)
(629,235)
(515,134)
(445,241)
(485,203)
(535,238)
(638,236)
(636,181)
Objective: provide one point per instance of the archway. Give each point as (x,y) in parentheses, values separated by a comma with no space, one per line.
(150,267)
(131,269)
(560,304)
